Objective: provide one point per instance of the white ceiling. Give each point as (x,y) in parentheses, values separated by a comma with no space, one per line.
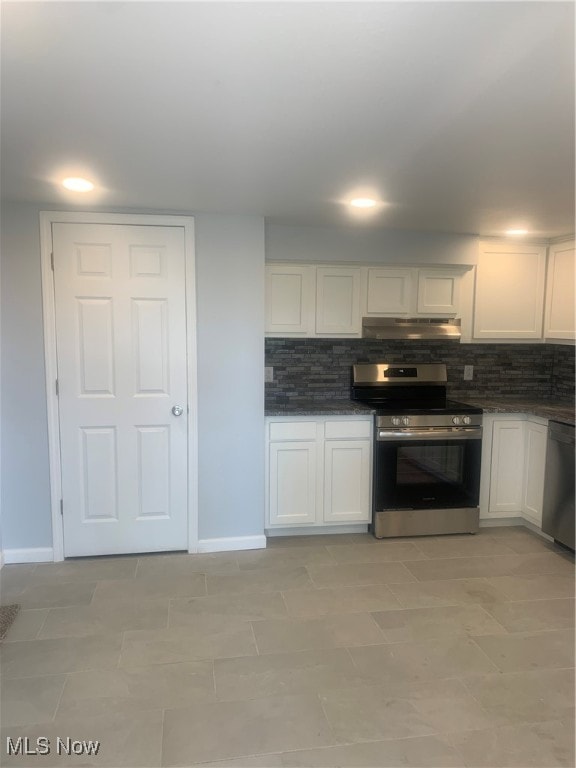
(459,115)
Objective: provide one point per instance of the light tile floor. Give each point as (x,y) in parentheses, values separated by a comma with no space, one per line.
(319,651)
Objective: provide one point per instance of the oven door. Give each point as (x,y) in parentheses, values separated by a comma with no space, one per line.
(427,469)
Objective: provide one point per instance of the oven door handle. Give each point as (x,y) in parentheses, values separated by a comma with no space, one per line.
(456,433)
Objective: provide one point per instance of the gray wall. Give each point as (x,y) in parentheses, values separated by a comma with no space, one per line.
(26,520)
(230,271)
(230,293)
(357,244)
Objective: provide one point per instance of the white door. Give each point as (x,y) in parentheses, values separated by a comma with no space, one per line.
(121,350)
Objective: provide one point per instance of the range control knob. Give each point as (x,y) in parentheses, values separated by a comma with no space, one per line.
(396,421)
(405,420)
(466,419)
(456,420)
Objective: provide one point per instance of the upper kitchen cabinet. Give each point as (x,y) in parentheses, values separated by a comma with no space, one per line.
(509,294)
(338,301)
(389,290)
(438,292)
(559,315)
(330,300)
(393,291)
(290,299)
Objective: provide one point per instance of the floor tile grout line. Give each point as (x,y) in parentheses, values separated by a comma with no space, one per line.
(57,709)
(162,734)
(487,612)
(39,631)
(473,640)
(258,653)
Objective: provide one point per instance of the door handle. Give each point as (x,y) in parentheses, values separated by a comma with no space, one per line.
(177,410)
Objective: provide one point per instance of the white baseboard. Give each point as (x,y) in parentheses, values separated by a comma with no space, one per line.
(232,544)
(37,555)
(502,522)
(1,558)
(536,529)
(318,530)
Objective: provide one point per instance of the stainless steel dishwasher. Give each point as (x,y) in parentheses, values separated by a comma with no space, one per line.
(558,508)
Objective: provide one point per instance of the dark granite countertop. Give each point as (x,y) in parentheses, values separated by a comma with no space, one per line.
(562,411)
(319,408)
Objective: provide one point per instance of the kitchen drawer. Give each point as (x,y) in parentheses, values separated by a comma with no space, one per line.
(335,430)
(293,430)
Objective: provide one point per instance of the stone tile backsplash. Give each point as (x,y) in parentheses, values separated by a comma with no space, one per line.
(319,369)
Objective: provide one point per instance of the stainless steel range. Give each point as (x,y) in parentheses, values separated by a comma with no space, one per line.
(427,451)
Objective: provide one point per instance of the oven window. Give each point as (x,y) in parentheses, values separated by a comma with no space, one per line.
(429,464)
(426,474)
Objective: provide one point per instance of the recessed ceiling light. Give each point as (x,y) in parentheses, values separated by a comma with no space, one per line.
(78,185)
(363,202)
(516,231)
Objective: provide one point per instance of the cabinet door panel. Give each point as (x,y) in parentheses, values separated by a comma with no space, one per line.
(292,483)
(507,467)
(338,301)
(389,291)
(536,440)
(509,296)
(438,292)
(559,322)
(288,299)
(347,481)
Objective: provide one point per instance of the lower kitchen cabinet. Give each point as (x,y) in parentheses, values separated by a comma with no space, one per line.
(319,471)
(507,466)
(536,440)
(293,483)
(513,463)
(347,481)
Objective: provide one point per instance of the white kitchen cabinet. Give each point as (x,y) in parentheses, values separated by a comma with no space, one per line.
(513,465)
(347,466)
(290,299)
(509,294)
(307,300)
(319,471)
(412,292)
(559,315)
(536,438)
(293,482)
(338,301)
(507,467)
(389,291)
(438,292)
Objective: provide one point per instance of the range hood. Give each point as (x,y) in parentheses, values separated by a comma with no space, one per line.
(411,328)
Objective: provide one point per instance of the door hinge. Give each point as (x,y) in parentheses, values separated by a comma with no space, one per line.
(52,261)
(61,506)
(57,388)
